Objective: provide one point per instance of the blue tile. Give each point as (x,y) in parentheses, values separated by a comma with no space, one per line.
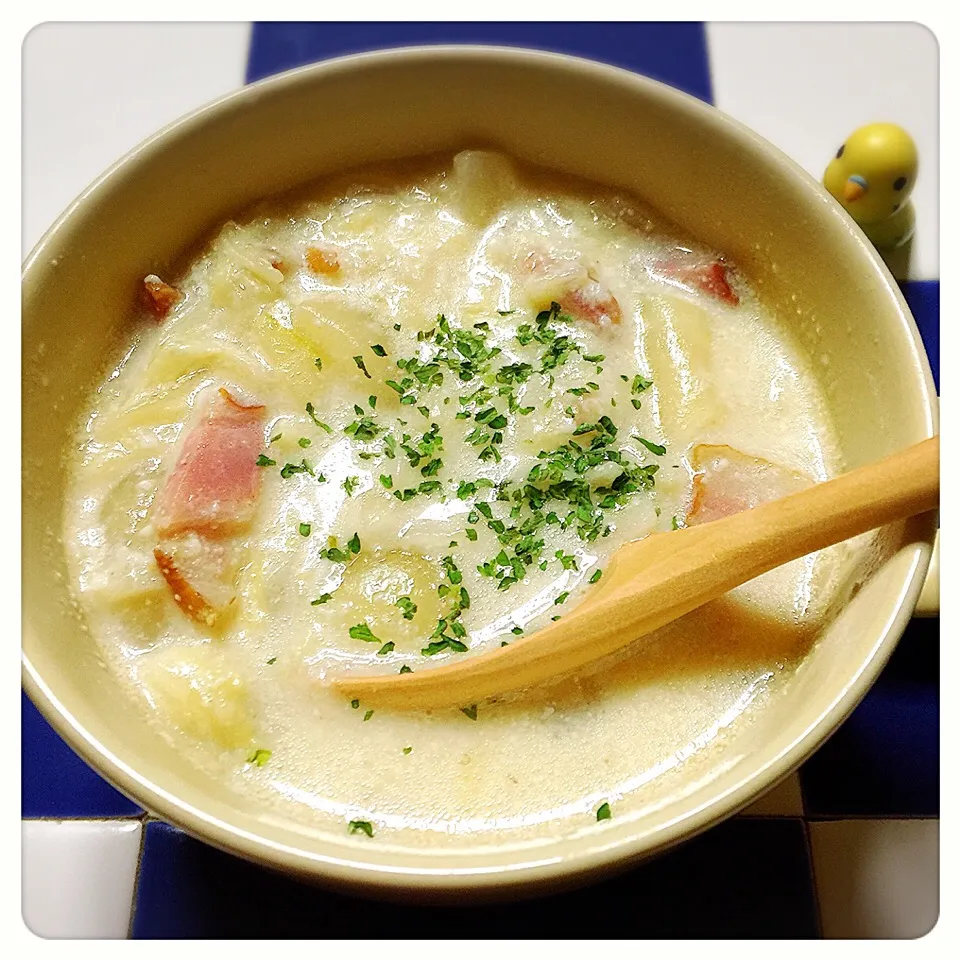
(923,298)
(55,782)
(675,53)
(745,878)
(884,760)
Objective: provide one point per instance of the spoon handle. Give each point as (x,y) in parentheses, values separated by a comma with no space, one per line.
(653,581)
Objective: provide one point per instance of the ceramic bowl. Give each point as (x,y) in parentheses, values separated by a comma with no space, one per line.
(714,177)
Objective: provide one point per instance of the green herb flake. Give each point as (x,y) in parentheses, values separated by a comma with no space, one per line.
(367,716)
(264,461)
(378,350)
(304,529)
(319,364)
(276,437)
(595,576)
(405,669)
(407,751)
(470,711)
(361,631)
(517,631)
(652,447)
(350,484)
(361,826)
(355,704)
(362,367)
(304,441)
(471,533)
(259,757)
(323,598)
(562,597)
(676,524)
(388,647)
(312,413)
(386,480)
(271,661)
(372,400)
(353,544)
(603,812)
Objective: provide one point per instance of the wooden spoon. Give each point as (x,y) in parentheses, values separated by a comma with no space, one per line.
(652,581)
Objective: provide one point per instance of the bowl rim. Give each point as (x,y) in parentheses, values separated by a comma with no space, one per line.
(538,869)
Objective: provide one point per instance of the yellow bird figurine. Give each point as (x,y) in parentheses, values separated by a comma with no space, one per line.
(872,176)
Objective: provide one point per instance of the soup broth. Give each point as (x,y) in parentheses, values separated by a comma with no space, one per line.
(407,416)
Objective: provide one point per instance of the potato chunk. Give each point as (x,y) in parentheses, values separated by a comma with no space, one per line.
(196,690)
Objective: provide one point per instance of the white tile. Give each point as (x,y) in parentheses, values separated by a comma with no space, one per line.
(78,877)
(877,878)
(784,800)
(806,86)
(91,91)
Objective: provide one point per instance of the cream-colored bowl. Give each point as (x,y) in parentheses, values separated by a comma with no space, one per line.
(714,177)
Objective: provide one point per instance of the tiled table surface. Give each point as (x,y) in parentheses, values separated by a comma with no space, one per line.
(846,848)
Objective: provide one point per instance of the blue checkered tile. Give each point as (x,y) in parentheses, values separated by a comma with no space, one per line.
(745,878)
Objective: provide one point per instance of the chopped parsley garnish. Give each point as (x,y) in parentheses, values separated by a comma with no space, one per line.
(361,826)
(353,544)
(362,367)
(304,529)
(640,384)
(372,400)
(312,413)
(446,643)
(405,669)
(350,484)
(319,364)
(595,576)
(289,469)
(386,480)
(304,441)
(603,812)
(367,716)
(264,461)
(408,607)
(363,429)
(470,711)
(652,447)
(361,631)
(407,751)
(388,647)
(271,661)
(355,704)
(676,524)
(378,350)
(562,597)
(323,598)
(276,437)
(259,757)
(517,631)
(471,533)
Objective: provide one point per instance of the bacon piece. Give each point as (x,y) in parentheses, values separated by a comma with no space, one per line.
(195,570)
(324,260)
(711,278)
(159,296)
(574,286)
(592,302)
(213,488)
(727,481)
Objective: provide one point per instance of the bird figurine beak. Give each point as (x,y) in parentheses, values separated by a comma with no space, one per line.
(854,188)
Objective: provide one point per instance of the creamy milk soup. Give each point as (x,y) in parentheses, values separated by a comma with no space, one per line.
(408,417)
